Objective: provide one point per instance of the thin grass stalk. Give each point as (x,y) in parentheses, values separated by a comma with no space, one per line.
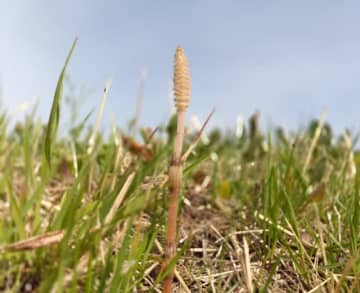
(315,140)
(139,103)
(119,151)
(92,139)
(99,117)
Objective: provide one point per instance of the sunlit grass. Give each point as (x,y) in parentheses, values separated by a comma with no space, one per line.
(87,213)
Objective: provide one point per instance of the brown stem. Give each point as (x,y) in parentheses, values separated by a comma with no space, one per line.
(175,178)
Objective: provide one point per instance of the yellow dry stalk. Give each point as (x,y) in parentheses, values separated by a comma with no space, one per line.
(181,80)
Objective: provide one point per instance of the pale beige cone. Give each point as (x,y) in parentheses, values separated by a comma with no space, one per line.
(181,80)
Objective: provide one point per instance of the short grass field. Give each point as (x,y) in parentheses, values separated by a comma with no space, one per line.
(259,212)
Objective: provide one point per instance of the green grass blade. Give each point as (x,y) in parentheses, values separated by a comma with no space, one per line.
(54,117)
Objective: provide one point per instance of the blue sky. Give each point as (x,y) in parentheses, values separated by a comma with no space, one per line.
(287,59)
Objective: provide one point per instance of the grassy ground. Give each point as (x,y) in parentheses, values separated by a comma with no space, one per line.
(86,213)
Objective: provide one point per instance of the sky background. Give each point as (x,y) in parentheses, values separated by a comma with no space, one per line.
(287,59)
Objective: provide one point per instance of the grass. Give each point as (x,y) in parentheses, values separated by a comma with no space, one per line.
(271,213)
